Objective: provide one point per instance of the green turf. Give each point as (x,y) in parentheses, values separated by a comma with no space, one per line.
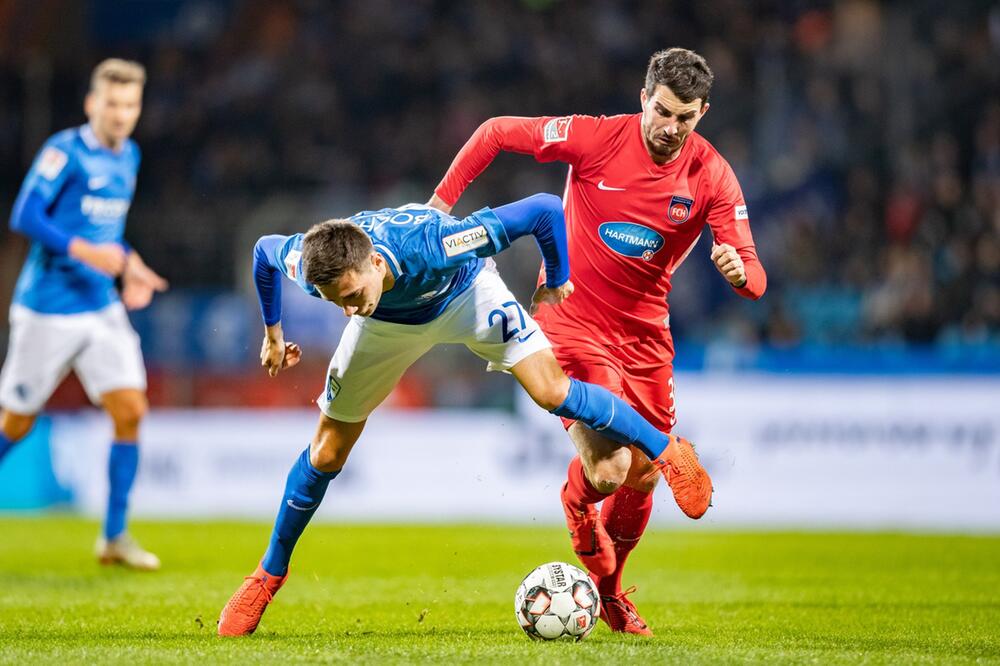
(392,594)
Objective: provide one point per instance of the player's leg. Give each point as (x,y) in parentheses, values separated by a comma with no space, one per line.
(648,384)
(111,369)
(13,428)
(39,357)
(368,363)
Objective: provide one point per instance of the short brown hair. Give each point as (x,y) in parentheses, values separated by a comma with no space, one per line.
(116,70)
(333,248)
(685,72)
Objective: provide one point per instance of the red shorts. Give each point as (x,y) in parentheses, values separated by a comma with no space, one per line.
(640,373)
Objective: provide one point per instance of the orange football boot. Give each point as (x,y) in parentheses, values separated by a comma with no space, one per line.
(618,611)
(242,613)
(690,483)
(591,541)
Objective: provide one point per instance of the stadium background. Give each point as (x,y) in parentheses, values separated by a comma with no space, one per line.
(866,137)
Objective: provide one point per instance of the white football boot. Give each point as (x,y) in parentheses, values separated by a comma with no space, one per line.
(126,551)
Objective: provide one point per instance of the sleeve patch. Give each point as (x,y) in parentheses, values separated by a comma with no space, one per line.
(466,240)
(292,263)
(741,213)
(51,163)
(557,130)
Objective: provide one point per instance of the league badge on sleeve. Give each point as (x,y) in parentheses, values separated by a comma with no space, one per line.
(679,209)
(557,129)
(51,162)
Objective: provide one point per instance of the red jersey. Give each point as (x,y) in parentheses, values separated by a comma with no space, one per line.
(630,222)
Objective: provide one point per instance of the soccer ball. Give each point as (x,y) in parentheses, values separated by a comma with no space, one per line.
(557,600)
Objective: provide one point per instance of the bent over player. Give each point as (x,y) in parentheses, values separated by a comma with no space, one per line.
(641,189)
(66,313)
(411,278)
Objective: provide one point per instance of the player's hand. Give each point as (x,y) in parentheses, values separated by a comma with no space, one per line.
(107,258)
(728,261)
(140,283)
(553,296)
(438,202)
(276,354)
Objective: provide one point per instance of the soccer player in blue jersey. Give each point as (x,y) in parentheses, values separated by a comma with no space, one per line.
(66,313)
(411,278)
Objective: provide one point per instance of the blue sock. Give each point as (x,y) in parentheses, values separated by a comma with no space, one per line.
(5,445)
(122,465)
(600,410)
(304,491)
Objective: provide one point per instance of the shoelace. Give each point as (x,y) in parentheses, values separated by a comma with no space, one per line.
(254,604)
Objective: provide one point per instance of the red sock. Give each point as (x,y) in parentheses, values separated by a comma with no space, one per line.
(625,514)
(578,491)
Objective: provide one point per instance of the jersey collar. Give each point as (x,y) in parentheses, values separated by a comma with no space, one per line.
(93,143)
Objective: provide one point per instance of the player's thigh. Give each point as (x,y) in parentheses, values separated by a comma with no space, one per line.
(649,387)
(39,356)
(492,324)
(111,360)
(369,361)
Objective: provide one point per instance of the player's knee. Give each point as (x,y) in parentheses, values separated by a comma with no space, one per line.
(327,453)
(128,414)
(552,394)
(16,426)
(608,474)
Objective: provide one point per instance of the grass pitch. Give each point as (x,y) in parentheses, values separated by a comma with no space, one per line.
(404,594)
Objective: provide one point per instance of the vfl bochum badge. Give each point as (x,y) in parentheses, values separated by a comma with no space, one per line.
(332,388)
(679,209)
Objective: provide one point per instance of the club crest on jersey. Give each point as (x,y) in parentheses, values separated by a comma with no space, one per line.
(332,388)
(630,239)
(556,130)
(679,209)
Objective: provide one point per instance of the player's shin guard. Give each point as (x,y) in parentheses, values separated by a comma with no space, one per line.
(625,515)
(123,462)
(304,491)
(599,409)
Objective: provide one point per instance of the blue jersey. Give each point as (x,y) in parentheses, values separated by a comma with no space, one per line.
(433,256)
(87,189)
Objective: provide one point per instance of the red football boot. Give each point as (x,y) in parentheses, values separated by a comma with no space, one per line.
(242,613)
(590,540)
(618,611)
(690,483)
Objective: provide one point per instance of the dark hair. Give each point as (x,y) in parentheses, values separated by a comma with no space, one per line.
(333,248)
(685,72)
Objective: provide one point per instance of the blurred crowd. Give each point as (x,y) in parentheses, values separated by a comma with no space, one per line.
(866,135)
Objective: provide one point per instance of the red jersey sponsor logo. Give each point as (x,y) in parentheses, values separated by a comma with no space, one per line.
(556,130)
(679,209)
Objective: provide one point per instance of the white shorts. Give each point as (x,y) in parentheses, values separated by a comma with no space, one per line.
(373,355)
(101,347)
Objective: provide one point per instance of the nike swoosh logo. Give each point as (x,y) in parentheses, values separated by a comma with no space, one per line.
(300,508)
(527,336)
(607,188)
(97,182)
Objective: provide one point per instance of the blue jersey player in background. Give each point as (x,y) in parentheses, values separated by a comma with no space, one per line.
(66,311)
(411,278)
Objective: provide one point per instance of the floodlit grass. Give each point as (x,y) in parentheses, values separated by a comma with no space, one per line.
(404,594)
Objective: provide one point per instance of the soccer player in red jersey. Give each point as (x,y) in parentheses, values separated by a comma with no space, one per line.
(640,190)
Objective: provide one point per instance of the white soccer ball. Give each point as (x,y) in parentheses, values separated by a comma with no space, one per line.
(557,600)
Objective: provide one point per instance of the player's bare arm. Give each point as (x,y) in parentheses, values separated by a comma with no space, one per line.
(438,202)
(140,283)
(729,264)
(107,258)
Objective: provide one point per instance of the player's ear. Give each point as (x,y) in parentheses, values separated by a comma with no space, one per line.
(704,108)
(642,96)
(88,104)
